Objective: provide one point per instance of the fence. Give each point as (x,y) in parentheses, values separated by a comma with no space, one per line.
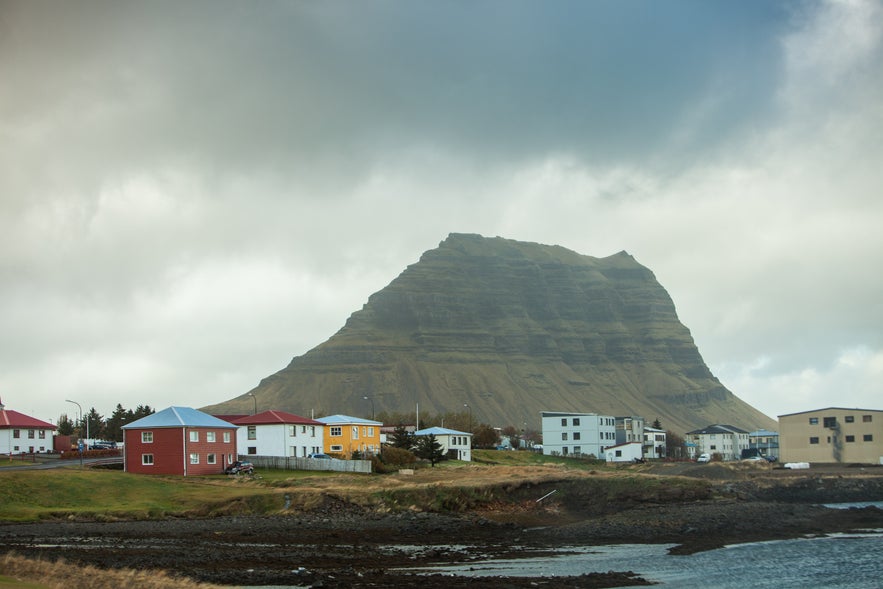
(292,463)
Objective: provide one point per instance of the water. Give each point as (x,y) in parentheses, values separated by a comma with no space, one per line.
(848,561)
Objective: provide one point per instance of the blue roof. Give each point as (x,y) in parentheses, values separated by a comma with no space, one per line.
(440,431)
(346,420)
(179,417)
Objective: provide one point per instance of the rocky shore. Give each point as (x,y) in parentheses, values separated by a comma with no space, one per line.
(341,545)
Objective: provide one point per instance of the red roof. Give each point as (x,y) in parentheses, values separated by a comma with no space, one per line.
(271,417)
(14,419)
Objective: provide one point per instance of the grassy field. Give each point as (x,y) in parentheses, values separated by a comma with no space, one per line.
(109,494)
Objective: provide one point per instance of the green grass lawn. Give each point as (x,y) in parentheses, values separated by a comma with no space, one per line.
(109,494)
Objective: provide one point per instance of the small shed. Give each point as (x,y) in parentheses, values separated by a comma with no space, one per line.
(179,441)
(628,452)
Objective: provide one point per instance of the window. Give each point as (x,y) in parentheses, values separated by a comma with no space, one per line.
(576,435)
(576,421)
(355,432)
(564,422)
(371,432)
(312,431)
(227,437)
(194,458)
(564,436)
(714,447)
(16,433)
(814,440)
(866,419)
(147,459)
(210,459)
(147,438)
(252,450)
(868,437)
(209,436)
(577,449)
(30,434)
(849,418)
(337,448)
(829,422)
(194,437)
(814,421)
(618,453)
(292,431)
(252,432)
(336,430)
(41,434)
(850,438)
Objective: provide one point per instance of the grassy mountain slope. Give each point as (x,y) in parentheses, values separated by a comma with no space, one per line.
(511,329)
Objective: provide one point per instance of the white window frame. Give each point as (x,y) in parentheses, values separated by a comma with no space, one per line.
(194,435)
(335,431)
(226,437)
(210,436)
(211,459)
(146,437)
(147,460)
(194,458)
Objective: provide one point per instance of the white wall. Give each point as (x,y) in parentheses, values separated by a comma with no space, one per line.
(276,440)
(591,435)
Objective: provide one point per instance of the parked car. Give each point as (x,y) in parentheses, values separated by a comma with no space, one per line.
(102,445)
(320,456)
(704,458)
(240,467)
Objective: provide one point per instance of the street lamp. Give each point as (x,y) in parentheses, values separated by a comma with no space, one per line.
(470,416)
(255,399)
(80,419)
(372,405)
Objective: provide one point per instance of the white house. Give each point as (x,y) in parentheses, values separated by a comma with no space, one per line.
(577,434)
(22,433)
(456,445)
(629,429)
(726,440)
(654,442)
(277,433)
(628,452)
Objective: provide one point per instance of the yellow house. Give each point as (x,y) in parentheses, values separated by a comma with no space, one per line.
(345,435)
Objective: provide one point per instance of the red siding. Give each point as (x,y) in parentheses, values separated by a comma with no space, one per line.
(171,449)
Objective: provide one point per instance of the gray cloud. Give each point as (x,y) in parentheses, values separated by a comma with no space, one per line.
(192,194)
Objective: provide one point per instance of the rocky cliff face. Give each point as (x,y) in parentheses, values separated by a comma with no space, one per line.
(511,329)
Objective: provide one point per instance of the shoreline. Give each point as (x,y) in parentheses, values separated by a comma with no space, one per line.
(340,544)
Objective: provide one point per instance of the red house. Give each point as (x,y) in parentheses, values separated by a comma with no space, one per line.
(181,441)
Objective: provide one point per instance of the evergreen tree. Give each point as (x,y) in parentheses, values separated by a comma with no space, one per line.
(65,425)
(402,438)
(95,423)
(428,448)
(657,424)
(114,424)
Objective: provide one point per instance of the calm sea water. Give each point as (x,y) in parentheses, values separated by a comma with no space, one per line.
(853,561)
(847,561)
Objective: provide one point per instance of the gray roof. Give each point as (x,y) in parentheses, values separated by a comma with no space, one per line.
(179,417)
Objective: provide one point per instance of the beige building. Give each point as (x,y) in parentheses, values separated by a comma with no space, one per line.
(834,434)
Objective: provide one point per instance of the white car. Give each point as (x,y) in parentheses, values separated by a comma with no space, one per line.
(704,458)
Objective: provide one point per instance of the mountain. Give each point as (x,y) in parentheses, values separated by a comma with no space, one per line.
(510,329)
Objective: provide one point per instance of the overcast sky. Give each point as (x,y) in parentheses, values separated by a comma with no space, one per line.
(193,193)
